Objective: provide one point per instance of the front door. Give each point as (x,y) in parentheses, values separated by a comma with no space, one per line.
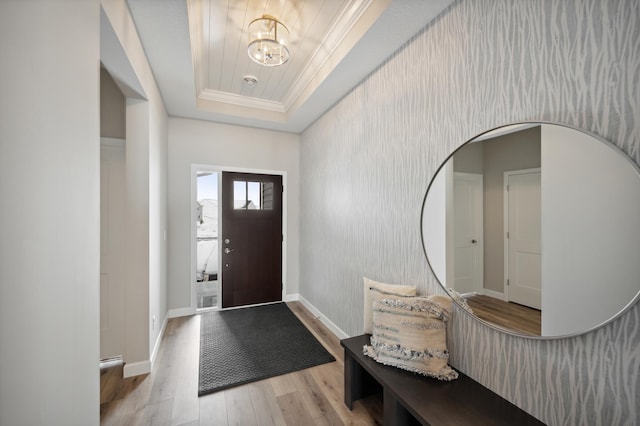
(251,238)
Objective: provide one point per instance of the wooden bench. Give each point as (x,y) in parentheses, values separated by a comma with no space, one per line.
(410,398)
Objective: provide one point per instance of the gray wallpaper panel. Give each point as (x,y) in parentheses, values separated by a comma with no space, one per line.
(367,162)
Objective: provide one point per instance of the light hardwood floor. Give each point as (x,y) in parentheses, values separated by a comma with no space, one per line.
(510,316)
(169,395)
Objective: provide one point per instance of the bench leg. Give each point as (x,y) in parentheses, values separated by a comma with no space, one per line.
(352,380)
(357,382)
(394,413)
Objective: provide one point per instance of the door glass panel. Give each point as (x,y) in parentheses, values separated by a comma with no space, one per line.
(267,196)
(239,195)
(252,195)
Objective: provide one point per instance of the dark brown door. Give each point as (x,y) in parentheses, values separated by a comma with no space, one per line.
(251,239)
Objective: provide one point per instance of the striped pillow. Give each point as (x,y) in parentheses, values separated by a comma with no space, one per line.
(411,333)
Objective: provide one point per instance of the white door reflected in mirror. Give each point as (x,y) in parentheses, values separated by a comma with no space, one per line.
(568,250)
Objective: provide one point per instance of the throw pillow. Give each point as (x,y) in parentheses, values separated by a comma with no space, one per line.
(373,291)
(411,333)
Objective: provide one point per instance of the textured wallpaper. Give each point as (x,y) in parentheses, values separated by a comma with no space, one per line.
(366,164)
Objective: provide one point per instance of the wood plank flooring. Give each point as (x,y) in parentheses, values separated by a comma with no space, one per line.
(169,395)
(510,316)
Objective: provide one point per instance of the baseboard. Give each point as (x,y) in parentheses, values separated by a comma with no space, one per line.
(111,362)
(144,367)
(136,368)
(494,294)
(114,142)
(326,321)
(291,297)
(181,312)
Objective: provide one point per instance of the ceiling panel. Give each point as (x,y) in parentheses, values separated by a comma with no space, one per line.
(214,21)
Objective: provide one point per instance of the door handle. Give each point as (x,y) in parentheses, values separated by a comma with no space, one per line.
(227,250)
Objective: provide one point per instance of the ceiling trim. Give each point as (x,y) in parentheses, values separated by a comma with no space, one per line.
(240,100)
(348,18)
(234,110)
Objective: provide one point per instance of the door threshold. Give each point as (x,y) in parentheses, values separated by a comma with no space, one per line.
(251,306)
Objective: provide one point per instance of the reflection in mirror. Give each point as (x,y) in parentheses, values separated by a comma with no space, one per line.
(538,226)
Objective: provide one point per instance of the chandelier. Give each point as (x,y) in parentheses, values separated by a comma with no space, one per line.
(267,37)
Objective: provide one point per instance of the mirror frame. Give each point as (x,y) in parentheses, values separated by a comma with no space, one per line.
(615,150)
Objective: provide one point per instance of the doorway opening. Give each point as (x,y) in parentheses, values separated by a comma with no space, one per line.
(207,231)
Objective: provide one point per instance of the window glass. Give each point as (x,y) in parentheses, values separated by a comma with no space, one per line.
(239,195)
(252,195)
(267,196)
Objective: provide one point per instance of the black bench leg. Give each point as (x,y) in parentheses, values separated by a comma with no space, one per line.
(394,413)
(357,382)
(352,380)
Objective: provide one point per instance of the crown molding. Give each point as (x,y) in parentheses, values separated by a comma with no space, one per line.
(328,49)
(239,100)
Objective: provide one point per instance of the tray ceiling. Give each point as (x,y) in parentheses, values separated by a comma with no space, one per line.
(197,50)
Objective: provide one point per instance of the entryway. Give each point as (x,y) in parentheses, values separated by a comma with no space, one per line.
(239,237)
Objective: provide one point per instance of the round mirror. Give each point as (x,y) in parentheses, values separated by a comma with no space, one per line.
(537,227)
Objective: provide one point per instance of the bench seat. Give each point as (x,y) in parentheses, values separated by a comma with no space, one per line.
(410,398)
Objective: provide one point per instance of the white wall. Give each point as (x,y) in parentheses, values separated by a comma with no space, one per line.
(206,143)
(158,221)
(113,237)
(137,346)
(112,108)
(590,229)
(49,219)
(146,159)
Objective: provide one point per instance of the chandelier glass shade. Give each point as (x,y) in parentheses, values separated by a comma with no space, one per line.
(267,41)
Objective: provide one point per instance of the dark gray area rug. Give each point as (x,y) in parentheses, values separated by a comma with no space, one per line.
(244,345)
